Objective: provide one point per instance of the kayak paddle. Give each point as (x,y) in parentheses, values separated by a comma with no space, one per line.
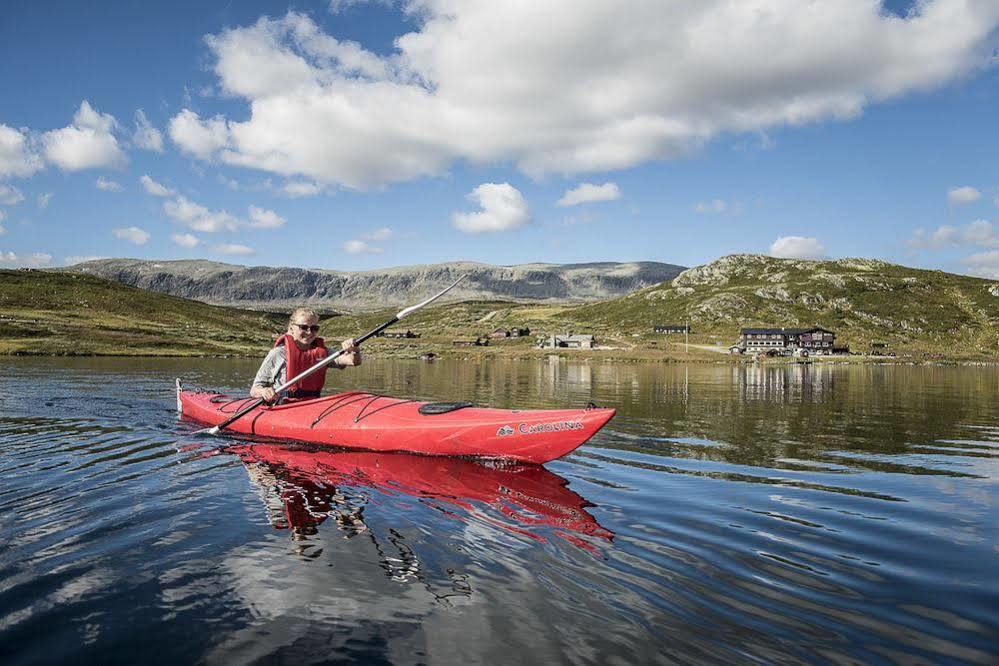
(329,359)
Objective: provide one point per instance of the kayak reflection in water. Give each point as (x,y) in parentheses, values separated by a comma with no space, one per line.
(304,487)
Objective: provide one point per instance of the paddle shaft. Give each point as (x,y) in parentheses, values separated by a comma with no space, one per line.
(302,375)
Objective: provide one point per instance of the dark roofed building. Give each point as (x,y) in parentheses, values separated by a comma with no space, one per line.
(816,340)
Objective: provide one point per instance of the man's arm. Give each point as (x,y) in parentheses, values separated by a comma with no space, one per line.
(267,375)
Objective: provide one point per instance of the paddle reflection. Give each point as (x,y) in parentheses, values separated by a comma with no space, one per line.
(302,488)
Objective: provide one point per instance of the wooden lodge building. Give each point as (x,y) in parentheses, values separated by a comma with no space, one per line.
(814,340)
(510,333)
(568,341)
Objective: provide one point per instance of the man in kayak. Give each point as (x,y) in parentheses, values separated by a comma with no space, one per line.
(295,351)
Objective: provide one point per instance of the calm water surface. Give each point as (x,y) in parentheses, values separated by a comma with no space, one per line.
(727,514)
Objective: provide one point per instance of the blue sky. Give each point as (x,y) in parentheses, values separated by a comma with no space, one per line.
(355,135)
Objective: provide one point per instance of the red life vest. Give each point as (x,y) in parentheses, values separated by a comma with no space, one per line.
(297,361)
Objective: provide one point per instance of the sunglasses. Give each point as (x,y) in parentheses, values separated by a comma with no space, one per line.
(306,327)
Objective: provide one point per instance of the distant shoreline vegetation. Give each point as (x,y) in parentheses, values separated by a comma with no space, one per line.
(872,306)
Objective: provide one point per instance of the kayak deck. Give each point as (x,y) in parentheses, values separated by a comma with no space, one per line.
(383,423)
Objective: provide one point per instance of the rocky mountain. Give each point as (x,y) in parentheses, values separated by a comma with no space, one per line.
(861,299)
(263,287)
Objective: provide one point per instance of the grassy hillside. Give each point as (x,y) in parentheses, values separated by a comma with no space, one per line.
(921,314)
(916,311)
(45,312)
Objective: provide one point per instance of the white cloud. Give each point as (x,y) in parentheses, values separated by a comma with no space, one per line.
(587,192)
(10,195)
(3,215)
(86,144)
(797,247)
(44,199)
(979,233)
(3,230)
(34,260)
(364,246)
(185,240)
(360,247)
(108,185)
(717,206)
(234,248)
(503,208)
(231,183)
(487,82)
(378,234)
(983,264)
(265,219)
(301,188)
(132,235)
(963,195)
(79,259)
(197,217)
(200,138)
(154,188)
(16,156)
(146,136)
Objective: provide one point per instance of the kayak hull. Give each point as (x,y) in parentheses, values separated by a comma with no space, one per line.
(383,423)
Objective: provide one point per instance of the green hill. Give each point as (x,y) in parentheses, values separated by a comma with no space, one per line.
(47,312)
(862,300)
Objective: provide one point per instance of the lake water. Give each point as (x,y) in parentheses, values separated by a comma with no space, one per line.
(730,514)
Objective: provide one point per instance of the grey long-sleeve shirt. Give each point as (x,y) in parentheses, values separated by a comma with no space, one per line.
(273,371)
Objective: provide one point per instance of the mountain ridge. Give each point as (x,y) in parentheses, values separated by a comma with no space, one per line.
(266,287)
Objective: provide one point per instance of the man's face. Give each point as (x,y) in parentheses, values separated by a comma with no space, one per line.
(304,330)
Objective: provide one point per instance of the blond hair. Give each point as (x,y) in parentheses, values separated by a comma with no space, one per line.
(308,312)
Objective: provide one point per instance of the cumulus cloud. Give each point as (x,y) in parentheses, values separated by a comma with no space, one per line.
(185,240)
(587,192)
(983,264)
(265,219)
(301,188)
(33,260)
(108,185)
(661,83)
(132,235)
(197,137)
(797,247)
(88,143)
(197,217)
(146,136)
(963,195)
(16,156)
(154,188)
(10,195)
(363,244)
(716,206)
(378,234)
(360,247)
(234,248)
(979,233)
(503,208)
(44,199)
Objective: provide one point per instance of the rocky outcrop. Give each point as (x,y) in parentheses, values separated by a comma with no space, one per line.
(264,287)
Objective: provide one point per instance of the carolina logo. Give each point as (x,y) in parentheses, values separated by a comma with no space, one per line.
(537,428)
(504,431)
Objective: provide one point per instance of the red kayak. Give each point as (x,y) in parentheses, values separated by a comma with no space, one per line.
(382,423)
